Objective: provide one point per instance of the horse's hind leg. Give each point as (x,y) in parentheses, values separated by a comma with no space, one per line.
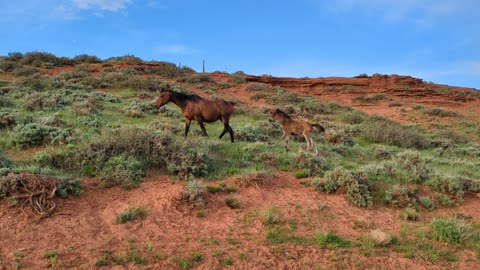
(230,131)
(226,128)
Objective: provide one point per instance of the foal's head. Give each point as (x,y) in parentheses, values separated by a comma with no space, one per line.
(279,115)
(164,98)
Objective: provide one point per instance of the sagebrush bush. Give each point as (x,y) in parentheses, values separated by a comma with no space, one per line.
(85,58)
(68,186)
(43,101)
(191,162)
(258,178)
(198,78)
(87,107)
(34,134)
(126,172)
(399,196)
(128,58)
(250,133)
(137,108)
(237,78)
(440,112)
(313,165)
(194,194)
(417,166)
(4,161)
(453,185)
(255,87)
(24,71)
(44,59)
(382,130)
(355,184)
(7,66)
(353,117)
(425,202)
(409,214)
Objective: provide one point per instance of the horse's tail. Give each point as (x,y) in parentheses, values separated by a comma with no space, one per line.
(318,127)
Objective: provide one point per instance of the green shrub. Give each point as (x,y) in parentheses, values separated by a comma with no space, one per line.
(15,56)
(353,117)
(444,200)
(131,213)
(128,58)
(237,78)
(382,130)
(331,241)
(312,165)
(272,216)
(451,230)
(425,202)
(150,84)
(33,134)
(440,112)
(233,201)
(372,99)
(136,108)
(453,185)
(258,178)
(198,78)
(409,214)
(4,161)
(418,167)
(189,163)
(44,59)
(357,186)
(250,133)
(399,196)
(85,58)
(126,172)
(7,66)
(43,101)
(68,186)
(194,194)
(255,87)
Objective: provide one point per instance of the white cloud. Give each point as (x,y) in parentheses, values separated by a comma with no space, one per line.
(175,49)
(106,5)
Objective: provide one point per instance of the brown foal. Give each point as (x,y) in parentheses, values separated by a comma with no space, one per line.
(290,126)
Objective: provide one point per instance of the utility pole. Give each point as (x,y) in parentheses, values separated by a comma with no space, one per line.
(203,69)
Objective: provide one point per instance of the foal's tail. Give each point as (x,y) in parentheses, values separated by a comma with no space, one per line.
(318,127)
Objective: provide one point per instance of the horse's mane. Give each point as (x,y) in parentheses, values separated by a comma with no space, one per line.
(284,114)
(185,97)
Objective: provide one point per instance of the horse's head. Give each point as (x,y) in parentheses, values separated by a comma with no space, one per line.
(164,98)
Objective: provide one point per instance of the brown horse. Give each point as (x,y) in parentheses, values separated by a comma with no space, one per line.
(292,127)
(199,109)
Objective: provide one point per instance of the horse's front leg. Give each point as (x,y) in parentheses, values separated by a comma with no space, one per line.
(285,138)
(187,126)
(200,123)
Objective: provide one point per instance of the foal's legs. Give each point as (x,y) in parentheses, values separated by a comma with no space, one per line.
(285,138)
(187,126)
(308,139)
(315,150)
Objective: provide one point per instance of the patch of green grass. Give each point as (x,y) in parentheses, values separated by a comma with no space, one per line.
(451,230)
(200,213)
(52,256)
(233,202)
(331,240)
(131,213)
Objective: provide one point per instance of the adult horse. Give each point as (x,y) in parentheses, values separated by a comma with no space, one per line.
(292,127)
(200,109)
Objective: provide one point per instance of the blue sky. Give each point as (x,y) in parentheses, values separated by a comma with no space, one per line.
(436,40)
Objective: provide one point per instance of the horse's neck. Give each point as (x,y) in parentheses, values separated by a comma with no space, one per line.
(182,103)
